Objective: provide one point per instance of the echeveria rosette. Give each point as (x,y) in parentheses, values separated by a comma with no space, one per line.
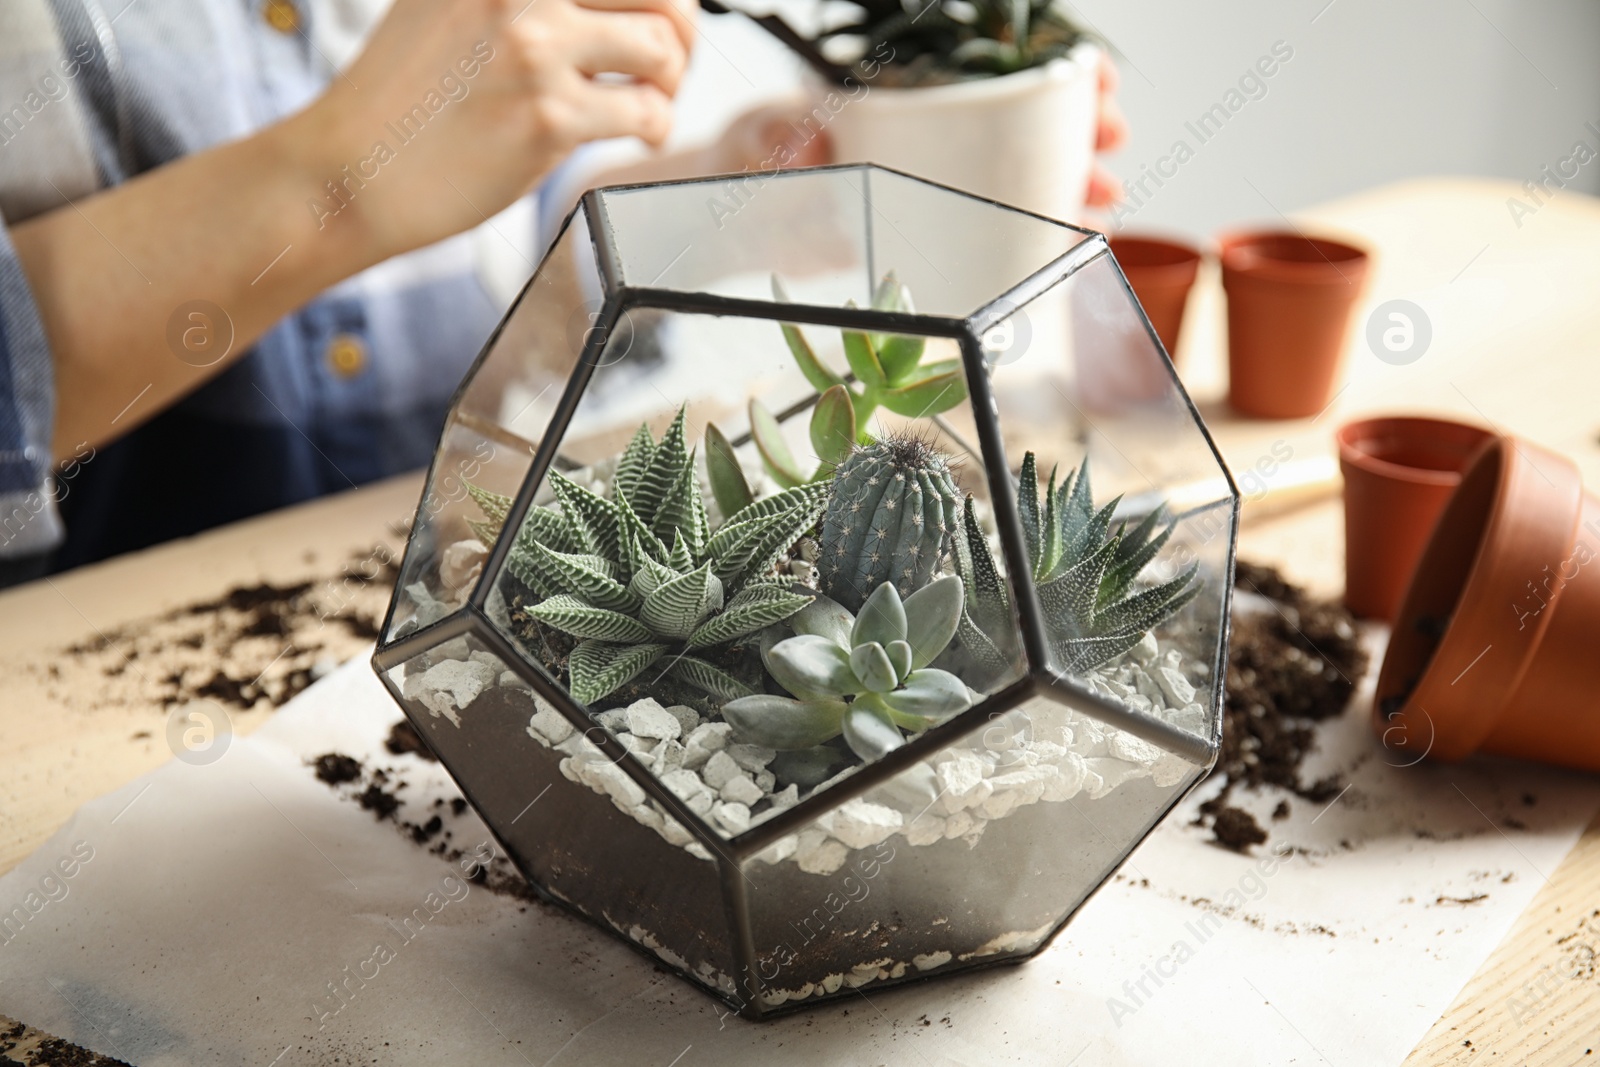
(866,677)
(640,580)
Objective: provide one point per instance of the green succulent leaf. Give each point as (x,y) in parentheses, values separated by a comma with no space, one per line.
(768,436)
(586,577)
(682,511)
(824,617)
(745,548)
(681,558)
(820,377)
(649,577)
(882,618)
(869,731)
(932,615)
(728,485)
(592,519)
(707,678)
(863,360)
(634,461)
(782,722)
(939,388)
(811,667)
(900,355)
(598,668)
(929,695)
(872,667)
(494,508)
(572,616)
(752,610)
(547,527)
(886,296)
(676,607)
(662,475)
(833,427)
(901,656)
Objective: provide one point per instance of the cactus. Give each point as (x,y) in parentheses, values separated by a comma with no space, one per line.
(891,514)
(866,677)
(1085,571)
(640,578)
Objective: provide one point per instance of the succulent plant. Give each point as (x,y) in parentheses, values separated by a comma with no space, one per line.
(891,515)
(941,40)
(886,370)
(640,579)
(865,676)
(1085,571)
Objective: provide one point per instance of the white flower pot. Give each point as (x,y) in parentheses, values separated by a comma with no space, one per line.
(1024,139)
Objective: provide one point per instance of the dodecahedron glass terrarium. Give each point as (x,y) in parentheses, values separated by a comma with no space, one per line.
(822,580)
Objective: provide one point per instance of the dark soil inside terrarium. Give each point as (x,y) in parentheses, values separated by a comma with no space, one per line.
(1289,668)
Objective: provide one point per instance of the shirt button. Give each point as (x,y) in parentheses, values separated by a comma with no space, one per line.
(347,356)
(283,16)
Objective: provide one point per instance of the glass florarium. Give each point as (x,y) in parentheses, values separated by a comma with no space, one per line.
(821,582)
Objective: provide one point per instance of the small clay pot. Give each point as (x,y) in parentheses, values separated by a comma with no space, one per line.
(1289,304)
(1161,274)
(1398,475)
(1494,645)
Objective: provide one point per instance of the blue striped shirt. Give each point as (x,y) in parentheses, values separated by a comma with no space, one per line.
(350,388)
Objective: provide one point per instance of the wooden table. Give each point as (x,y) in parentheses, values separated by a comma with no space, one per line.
(1515,345)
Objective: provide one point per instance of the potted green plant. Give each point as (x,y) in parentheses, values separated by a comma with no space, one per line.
(995,97)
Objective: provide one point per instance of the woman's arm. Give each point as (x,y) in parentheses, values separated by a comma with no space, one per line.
(454,110)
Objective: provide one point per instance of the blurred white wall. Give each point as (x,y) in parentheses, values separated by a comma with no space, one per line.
(1375,90)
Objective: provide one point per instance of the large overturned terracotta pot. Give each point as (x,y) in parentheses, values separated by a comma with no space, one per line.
(1494,645)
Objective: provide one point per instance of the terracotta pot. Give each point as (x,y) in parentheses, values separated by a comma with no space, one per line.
(1161,274)
(1289,304)
(1398,475)
(1494,644)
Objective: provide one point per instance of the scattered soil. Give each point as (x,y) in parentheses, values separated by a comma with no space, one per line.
(337,769)
(254,647)
(1288,670)
(377,790)
(22,1046)
(403,738)
(1237,829)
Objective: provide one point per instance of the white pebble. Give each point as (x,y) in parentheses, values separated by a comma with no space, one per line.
(646,718)
(683,784)
(1176,687)
(615,720)
(741,790)
(929,960)
(735,818)
(751,757)
(706,739)
(549,725)
(788,797)
(860,823)
(1147,649)
(688,718)
(818,853)
(719,770)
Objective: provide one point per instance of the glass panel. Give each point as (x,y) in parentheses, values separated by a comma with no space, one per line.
(975,855)
(688,680)
(1094,419)
(831,234)
(574,824)
(494,428)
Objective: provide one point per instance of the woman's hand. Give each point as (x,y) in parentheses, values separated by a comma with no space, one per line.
(458,107)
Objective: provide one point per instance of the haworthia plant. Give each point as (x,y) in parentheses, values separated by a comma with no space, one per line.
(864,676)
(639,578)
(891,515)
(1085,570)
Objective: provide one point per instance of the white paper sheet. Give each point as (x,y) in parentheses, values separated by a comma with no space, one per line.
(221,900)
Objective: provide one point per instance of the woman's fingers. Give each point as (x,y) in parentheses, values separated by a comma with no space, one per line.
(642,46)
(603,110)
(680,13)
